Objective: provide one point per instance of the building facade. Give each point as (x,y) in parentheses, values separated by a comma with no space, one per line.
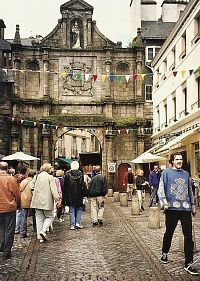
(76,78)
(176,93)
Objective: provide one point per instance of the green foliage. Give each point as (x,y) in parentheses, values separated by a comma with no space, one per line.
(125,121)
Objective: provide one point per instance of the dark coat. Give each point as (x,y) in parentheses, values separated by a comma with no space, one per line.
(98,186)
(139,181)
(154,178)
(75,188)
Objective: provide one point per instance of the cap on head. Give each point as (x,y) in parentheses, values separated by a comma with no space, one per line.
(98,169)
(3,166)
(74,165)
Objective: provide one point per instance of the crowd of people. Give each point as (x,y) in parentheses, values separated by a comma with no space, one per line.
(47,194)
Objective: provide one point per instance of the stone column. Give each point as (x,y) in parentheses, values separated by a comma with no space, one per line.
(89,33)
(135,206)
(45,146)
(116,196)
(46,74)
(17,76)
(124,199)
(109,158)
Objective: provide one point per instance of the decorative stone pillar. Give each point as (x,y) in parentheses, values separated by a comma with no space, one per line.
(46,74)
(109,158)
(110,192)
(64,27)
(89,33)
(45,146)
(17,75)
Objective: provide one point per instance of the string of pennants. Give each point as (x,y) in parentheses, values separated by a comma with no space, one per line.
(78,75)
(28,123)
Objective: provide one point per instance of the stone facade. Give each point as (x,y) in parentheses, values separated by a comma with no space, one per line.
(55,85)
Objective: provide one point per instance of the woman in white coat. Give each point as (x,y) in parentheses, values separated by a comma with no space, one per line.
(44,196)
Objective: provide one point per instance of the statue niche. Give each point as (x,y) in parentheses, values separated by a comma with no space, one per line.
(76,36)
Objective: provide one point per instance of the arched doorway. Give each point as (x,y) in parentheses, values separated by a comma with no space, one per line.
(77,144)
(122,169)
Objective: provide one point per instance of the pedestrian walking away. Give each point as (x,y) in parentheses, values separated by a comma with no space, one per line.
(176,198)
(128,182)
(154,179)
(10,201)
(75,192)
(97,190)
(26,197)
(44,196)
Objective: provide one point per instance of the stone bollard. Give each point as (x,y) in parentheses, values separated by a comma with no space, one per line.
(135,206)
(116,196)
(181,239)
(154,217)
(124,200)
(110,192)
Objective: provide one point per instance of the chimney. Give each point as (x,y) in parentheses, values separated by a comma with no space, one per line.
(17,39)
(172,9)
(2,27)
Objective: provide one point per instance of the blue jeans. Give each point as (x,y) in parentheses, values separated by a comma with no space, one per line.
(75,215)
(7,231)
(21,221)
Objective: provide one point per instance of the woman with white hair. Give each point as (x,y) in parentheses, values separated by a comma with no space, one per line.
(44,195)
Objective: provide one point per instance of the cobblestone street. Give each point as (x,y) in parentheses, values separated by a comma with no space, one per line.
(123,249)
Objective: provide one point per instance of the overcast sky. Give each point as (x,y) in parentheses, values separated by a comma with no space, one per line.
(41,16)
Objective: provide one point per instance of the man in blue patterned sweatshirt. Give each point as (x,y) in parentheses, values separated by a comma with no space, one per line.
(176,198)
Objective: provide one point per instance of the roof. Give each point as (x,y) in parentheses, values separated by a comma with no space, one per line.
(24,41)
(156,29)
(4,45)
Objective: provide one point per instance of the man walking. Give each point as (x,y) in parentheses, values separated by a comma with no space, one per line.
(75,191)
(128,181)
(97,191)
(175,195)
(154,179)
(9,203)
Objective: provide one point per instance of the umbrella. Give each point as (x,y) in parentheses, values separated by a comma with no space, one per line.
(20,156)
(147,157)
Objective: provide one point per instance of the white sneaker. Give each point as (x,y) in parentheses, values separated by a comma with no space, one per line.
(72,227)
(41,241)
(43,235)
(79,226)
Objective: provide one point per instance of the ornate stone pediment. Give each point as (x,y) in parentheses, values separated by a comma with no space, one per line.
(76,5)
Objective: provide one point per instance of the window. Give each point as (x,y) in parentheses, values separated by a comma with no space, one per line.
(183,47)
(83,145)
(158,118)
(74,151)
(197,158)
(185,100)
(198,92)
(174,105)
(151,52)
(148,92)
(165,107)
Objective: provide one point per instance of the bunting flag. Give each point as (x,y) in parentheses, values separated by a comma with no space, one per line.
(29,123)
(105,77)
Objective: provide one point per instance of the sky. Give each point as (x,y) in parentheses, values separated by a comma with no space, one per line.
(39,17)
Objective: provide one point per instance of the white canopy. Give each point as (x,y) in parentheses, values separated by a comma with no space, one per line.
(147,157)
(20,156)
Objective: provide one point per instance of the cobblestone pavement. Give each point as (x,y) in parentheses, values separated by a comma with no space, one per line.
(123,249)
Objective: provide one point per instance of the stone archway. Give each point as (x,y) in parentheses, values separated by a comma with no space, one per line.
(78,144)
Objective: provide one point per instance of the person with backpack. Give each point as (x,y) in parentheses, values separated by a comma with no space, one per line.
(75,191)
(97,190)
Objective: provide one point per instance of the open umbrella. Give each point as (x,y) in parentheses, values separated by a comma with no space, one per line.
(147,157)
(21,156)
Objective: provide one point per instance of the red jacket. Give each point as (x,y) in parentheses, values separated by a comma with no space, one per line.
(9,193)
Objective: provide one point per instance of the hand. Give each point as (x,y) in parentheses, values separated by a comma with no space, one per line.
(193,210)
